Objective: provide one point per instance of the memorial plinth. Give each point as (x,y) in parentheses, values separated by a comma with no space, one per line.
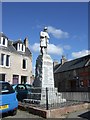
(44,72)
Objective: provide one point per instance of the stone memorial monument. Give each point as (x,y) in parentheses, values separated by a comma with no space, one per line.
(44,77)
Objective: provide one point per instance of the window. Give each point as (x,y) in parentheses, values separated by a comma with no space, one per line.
(24,65)
(2,59)
(3,41)
(81,83)
(6,88)
(21,47)
(5,60)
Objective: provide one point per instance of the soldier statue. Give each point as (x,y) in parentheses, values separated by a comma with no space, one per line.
(44,41)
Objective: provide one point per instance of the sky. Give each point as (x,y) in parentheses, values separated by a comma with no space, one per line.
(67,24)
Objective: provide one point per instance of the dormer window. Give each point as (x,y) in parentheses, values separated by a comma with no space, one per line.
(3,41)
(21,47)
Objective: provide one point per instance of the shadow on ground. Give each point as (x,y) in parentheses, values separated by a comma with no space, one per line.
(5,115)
(85,115)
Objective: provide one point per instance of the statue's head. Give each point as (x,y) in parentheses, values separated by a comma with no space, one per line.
(45,29)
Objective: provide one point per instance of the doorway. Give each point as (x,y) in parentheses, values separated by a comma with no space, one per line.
(15,79)
(23,79)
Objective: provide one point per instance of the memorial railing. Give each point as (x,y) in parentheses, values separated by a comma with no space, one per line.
(72,98)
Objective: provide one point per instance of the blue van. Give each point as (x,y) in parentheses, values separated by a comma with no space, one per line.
(8,100)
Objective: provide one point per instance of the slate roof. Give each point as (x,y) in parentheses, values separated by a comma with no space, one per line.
(18,41)
(56,67)
(3,35)
(12,49)
(73,64)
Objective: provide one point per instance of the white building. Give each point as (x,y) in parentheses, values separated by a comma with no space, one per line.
(15,61)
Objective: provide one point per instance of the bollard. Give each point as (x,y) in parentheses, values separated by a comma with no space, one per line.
(46,98)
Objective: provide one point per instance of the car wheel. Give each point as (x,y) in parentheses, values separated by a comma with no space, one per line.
(14,112)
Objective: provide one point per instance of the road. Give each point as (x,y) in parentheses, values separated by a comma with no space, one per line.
(22,114)
(83,114)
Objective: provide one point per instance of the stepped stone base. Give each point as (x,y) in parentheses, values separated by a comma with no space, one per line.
(38,95)
(53,96)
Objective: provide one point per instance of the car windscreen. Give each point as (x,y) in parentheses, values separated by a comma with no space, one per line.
(6,88)
(28,86)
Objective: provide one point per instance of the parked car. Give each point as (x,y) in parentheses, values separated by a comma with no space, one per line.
(22,90)
(8,100)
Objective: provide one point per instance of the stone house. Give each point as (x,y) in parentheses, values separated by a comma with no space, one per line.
(15,60)
(73,75)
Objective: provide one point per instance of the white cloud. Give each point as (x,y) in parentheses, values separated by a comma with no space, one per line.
(58,33)
(67,47)
(80,53)
(52,49)
(35,47)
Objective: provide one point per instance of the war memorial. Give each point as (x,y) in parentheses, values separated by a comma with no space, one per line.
(44,78)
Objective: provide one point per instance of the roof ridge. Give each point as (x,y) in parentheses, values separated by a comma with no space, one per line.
(74,64)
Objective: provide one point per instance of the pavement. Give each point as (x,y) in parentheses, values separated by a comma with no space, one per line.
(21,114)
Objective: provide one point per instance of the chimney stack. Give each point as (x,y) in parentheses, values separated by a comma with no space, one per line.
(26,42)
(55,63)
(63,60)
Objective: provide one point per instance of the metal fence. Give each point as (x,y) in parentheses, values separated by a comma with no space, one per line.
(48,98)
